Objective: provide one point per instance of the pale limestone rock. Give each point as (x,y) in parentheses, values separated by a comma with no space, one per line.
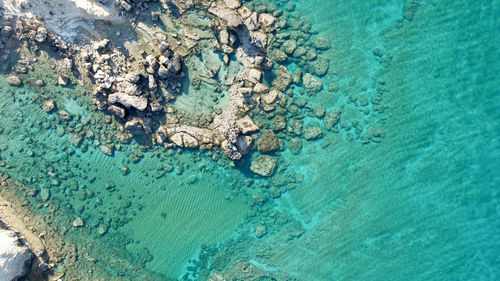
(246,125)
(138,102)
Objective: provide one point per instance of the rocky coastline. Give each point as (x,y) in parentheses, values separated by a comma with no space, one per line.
(138,81)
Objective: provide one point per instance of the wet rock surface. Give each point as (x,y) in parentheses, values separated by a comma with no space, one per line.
(15,254)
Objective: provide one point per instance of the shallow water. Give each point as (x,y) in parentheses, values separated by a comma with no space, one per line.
(423,204)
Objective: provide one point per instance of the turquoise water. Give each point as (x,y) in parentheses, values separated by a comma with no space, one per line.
(422,204)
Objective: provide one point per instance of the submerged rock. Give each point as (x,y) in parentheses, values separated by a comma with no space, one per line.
(263,165)
(49,106)
(268,142)
(13,80)
(331,119)
(311,83)
(260,230)
(78,222)
(313,132)
(321,42)
(15,254)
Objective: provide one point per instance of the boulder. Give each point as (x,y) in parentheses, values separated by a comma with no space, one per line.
(138,102)
(263,165)
(311,83)
(246,125)
(319,66)
(15,254)
(75,139)
(260,230)
(268,142)
(13,80)
(230,17)
(136,126)
(331,119)
(313,132)
(295,145)
(289,46)
(283,79)
(321,42)
(271,97)
(117,111)
(49,106)
(63,80)
(78,222)
(267,21)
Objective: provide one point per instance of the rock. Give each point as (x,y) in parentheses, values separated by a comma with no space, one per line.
(184,139)
(278,123)
(313,132)
(230,17)
(49,106)
(260,88)
(75,139)
(263,165)
(117,111)
(132,78)
(39,83)
(271,97)
(320,65)
(108,150)
(124,169)
(279,56)
(283,80)
(267,21)
(13,80)
(260,230)
(331,119)
(15,254)
(138,102)
(289,46)
(232,4)
(295,145)
(129,88)
(78,222)
(268,142)
(101,45)
(41,34)
(246,125)
(274,192)
(136,126)
(125,5)
(297,76)
(101,230)
(63,80)
(45,194)
(311,83)
(321,42)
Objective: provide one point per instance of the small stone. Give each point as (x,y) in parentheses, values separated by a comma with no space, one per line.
(63,80)
(45,194)
(124,169)
(260,230)
(78,222)
(39,83)
(101,230)
(49,106)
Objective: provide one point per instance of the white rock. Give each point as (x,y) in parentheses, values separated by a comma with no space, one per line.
(15,257)
(128,101)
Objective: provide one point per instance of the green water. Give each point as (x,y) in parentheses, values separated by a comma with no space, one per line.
(423,204)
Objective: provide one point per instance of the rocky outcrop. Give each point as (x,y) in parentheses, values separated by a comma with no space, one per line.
(13,80)
(263,165)
(15,254)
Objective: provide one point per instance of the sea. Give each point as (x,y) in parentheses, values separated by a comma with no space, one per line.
(406,188)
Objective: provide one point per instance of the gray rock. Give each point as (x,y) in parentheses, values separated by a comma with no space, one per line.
(138,102)
(311,83)
(78,222)
(49,106)
(321,42)
(260,230)
(295,145)
(319,66)
(45,194)
(117,111)
(136,126)
(313,132)
(63,80)
(331,119)
(108,150)
(75,139)
(263,165)
(13,80)
(289,46)
(15,254)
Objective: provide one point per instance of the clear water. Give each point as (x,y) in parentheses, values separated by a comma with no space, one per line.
(423,204)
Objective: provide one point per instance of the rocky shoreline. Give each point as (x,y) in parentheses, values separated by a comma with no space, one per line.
(139,81)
